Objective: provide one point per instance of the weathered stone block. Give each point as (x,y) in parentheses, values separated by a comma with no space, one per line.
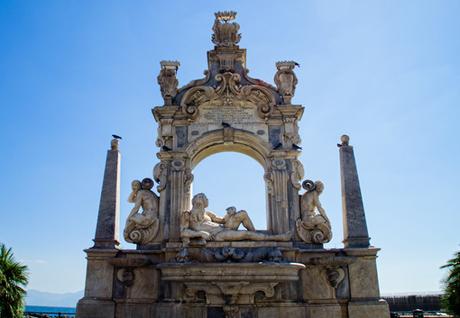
(363,278)
(314,284)
(95,308)
(324,311)
(293,311)
(145,285)
(99,275)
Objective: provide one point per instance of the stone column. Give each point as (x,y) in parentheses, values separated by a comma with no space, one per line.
(108,220)
(354,220)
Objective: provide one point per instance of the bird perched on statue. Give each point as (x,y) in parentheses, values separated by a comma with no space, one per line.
(294,146)
(116,137)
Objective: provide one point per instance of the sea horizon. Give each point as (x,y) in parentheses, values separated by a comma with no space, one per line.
(50,309)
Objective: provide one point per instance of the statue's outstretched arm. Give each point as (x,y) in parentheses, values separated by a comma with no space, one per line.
(136,207)
(215,218)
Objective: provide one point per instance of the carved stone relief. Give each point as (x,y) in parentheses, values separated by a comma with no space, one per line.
(228,293)
(297,174)
(160,174)
(230,255)
(228,92)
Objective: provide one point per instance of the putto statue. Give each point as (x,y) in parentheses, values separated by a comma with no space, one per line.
(225,34)
(142,227)
(286,80)
(168,81)
(203,224)
(314,226)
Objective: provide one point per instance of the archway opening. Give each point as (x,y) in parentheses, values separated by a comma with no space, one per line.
(233,179)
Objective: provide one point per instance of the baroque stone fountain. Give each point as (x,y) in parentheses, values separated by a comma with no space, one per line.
(191,262)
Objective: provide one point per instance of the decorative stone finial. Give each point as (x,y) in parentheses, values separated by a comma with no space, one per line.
(168,81)
(286,80)
(345,139)
(225,33)
(114,144)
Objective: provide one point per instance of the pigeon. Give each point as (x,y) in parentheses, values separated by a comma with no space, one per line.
(278,146)
(226,125)
(294,146)
(339,145)
(296,64)
(116,137)
(166,148)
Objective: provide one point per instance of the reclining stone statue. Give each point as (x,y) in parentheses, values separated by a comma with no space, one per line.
(202,224)
(142,227)
(314,226)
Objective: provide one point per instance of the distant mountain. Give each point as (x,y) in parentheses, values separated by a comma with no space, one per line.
(39,298)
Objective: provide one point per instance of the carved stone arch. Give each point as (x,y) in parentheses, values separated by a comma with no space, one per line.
(241,141)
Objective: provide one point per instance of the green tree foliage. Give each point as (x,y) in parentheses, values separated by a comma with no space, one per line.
(451,298)
(13,277)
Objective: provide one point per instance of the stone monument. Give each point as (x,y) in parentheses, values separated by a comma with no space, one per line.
(192,262)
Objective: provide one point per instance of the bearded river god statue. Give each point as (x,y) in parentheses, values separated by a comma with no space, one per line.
(314,226)
(202,224)
(142,227)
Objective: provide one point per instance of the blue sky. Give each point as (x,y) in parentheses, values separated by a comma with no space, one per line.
(385,72)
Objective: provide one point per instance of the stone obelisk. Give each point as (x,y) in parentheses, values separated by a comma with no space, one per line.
(354,219)
(108,220)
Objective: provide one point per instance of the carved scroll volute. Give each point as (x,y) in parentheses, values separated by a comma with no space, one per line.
(286,80)
(225,33)
(168,81)
(260,96)
(335,275)
(194,98)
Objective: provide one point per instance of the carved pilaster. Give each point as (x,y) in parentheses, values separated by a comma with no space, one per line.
(278,219)
(161,176)
(295,176)
(177,196)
